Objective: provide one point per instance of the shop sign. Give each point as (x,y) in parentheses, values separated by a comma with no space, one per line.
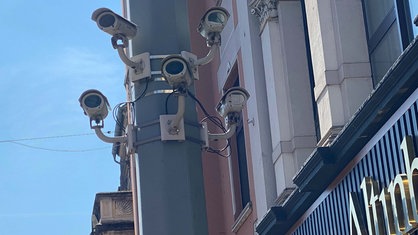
(393,209)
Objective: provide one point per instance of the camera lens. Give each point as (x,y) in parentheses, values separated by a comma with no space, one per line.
(107,20)
(174,67)
(93,101)
(217,17)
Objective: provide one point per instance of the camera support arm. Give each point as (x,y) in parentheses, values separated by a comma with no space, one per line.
(209,57)
(107,139)
(121,50)
(174,124)
(228,134)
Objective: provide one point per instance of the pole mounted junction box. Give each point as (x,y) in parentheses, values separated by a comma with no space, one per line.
(191,59)
(170,133)
(143,70)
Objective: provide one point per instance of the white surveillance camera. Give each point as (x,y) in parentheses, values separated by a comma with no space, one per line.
(233,101)
(114,24)
(213,22)
(95,105)
(175,70)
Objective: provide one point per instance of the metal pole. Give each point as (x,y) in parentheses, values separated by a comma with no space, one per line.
(132,166)
(171,197)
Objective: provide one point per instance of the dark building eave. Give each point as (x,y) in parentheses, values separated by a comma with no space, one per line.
(325,163)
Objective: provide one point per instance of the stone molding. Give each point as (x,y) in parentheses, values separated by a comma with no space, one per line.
(264,10)
(113,214)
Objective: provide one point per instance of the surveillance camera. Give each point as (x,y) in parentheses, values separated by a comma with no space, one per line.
(95,105)
(175,70)
(213,22)
(233,101)
(114,24)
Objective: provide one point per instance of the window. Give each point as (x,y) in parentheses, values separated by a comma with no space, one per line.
(389,25)
(238,159)
(383,36)
(413,10)
(407,10)
(242,166)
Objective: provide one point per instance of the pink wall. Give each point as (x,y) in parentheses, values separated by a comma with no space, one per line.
(215,168)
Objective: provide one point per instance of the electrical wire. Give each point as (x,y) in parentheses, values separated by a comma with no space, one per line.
(219,151)
(215,120)
(115,115)
(18,142)
(166,101)
(118,106)
(142,95)
(48,137)
(59,150)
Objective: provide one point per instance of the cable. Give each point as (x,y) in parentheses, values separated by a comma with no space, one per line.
(218,153)
(166,101)
(115,115)
(215,120)
(142,95)
(48,137)
(17,142)
(199,103)
(58,150)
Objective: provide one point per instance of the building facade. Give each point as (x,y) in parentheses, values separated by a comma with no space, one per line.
(326,144)
(332,114)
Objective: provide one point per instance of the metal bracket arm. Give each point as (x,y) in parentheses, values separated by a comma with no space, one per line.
(228,134)
(174,125)
(126,60)
(120,47)
(209,57)
(107,139)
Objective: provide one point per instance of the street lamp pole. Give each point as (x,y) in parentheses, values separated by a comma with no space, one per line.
(169,173)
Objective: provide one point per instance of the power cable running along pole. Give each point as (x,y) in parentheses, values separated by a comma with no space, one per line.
(169,173)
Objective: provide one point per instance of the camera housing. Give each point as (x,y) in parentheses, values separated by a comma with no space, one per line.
(94,105)
(114,24)
(233,101)
(212,23)
(175,69)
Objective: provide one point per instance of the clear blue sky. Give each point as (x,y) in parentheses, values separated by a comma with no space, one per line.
(51,51)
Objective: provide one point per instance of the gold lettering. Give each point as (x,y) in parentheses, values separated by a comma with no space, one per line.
(411,163)
(401,203)
(387,211)
(395,209)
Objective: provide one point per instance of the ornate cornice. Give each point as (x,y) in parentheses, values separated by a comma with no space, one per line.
(264,10)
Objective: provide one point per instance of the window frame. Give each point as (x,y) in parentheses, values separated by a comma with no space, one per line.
(406,28)
(238,158)
(400,15)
